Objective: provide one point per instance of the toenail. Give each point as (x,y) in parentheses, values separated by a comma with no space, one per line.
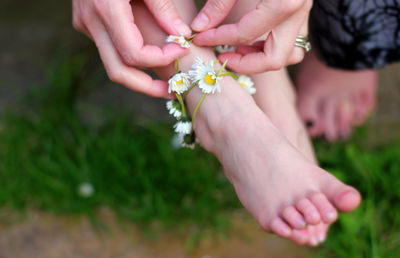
(313,215)
(301,222)
(285,232)
(314,241)
(303,232)
(330,215)
(309,124)
(321,237)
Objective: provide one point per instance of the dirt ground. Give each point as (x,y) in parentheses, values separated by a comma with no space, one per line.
(45,236)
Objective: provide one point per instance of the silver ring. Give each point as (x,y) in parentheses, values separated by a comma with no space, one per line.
(303,42)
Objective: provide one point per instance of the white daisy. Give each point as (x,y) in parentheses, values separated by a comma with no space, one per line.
(179,83)
(180,40)
(85,190)
(183,127)
(204,74)
(174,108)
(177,142)
(247,83)
(190,146)
(225,48)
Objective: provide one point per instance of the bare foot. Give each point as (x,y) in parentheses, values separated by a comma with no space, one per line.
(277,184)
(332,101)
(276,98)
(274,181)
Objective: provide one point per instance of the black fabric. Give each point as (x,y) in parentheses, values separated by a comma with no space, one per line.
(356,34)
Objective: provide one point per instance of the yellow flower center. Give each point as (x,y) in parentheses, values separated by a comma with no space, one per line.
(209,79)
(179,82)
(176,40)
(243,84)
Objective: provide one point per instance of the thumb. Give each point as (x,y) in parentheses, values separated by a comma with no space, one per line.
(167,17)
(212,14)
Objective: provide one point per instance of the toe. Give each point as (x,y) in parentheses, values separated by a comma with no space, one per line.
(309,211)
(329,120)
(313,236)
(300,237)
(293,218)
(308,111)
(327,212)
(345,117)
(348,199)
(345,198)
(322,232)
(279,227)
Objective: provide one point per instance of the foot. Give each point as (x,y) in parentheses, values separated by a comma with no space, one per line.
(332,101)
(281,188)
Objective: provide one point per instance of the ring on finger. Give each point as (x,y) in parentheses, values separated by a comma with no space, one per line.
(302,41)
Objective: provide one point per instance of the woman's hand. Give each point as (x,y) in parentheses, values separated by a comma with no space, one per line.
(111,25)
(280,20)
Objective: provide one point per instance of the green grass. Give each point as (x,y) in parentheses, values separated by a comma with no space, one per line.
(48,150)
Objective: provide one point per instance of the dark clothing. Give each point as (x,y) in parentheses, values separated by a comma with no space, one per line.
(356,34)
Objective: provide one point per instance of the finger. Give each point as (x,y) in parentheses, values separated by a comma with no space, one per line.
(256,62)
(298,53)
(127,38)
(167,16)
(262,19)
(121,73)
(278,46)
(212,14)
(253,48)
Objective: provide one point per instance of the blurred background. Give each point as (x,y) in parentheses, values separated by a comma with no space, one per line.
(89,168)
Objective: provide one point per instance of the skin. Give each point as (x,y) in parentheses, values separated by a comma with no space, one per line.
(277,99)
(112,26)
(280,195)
(282,21)
(333,101)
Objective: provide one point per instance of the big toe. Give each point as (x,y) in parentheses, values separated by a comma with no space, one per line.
(345,198)
(348,199)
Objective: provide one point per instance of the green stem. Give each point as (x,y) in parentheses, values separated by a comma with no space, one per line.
(190,88)
(233,75)
(191,37)
(177,65)
(180,99)
(197,108)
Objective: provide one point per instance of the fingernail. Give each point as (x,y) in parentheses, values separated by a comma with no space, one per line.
(329,215)
(200,22)
(182,28)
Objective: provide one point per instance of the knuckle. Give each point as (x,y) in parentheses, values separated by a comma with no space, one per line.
(128,58)
(115,75)
(289,7)
(163,6)
(276,64)
(99,5)
(217,6)
(244,36)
